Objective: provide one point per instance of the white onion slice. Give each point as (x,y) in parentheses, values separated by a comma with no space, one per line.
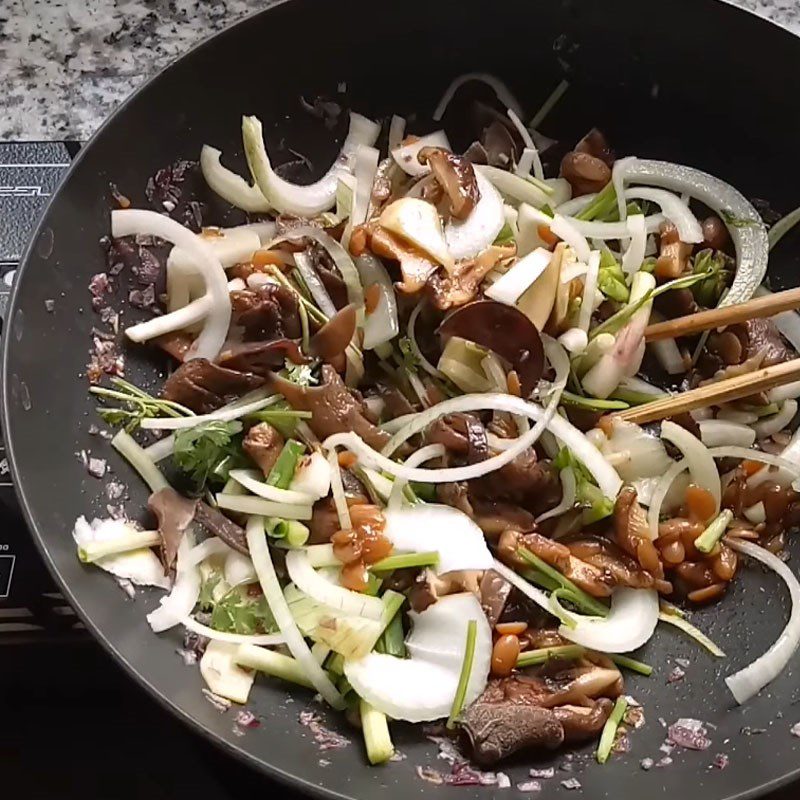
(230,186)
(265,569)
(777,422)
(314,283)
(208,548)
(397,130)
(514,283)
(513,186)
(530,591)
(756,513)
(646,456)
(574,340)
(312,476)
(471,236)
(504,94)
(406,156)
(422,687)
(699,459)
(458,540)
(573,207)
(789,391)
(183,597)
(223,676)
(660,492)
(315,586)
(564,229)
(634,255)
(130,222)
(731,414)
(669,356)
(568,493)
(529,160)
(251,481)
(224,414)
(238,569)
(230,245)
(756,455)
(674,209)
(313,199)
(381,325)
(630,623)
(589,289)
(719,432)
(414,460)
(752,679)
(263,639)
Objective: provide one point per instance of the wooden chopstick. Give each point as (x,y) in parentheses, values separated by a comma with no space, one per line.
(714,393)
(766,306)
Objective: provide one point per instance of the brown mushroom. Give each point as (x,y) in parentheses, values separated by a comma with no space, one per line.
(504,330)
(214,521)
(494,594)
(461,284)
(204,387)
(260,358)
(673,257)
(715,234)
(174,513)
(584,172)
(332,339)
(263,444)
(456,176)
(596,144)
(414,265)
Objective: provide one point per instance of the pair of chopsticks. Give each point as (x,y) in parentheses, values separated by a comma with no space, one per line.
(724,391)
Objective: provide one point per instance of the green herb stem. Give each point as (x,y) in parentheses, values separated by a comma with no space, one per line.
(406,561)
(392,640)
(292,531)
(610,730)
(466,671)
(126,446)
(632,664)
(134,540)
(282,472)
(591,403)
(377,739)
(272,663)
(533,658)
(708,539)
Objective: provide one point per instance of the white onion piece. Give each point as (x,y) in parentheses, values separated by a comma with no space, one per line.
(406,156)
(419,355)
(719,432)
(458,540)
(265,569)
(564,229)
(471,236)
(674,209)
(141,566)
(669,356)
(735,415)
(568,493)
(313,199)
(189,315)
(223,676)
(514,283)
(777,422)
(315,586)
(529,160)
(208,548)
(238,569)
(314,283)
(414,460)
(618,174)
(251,480)
(630,623)
(699,460)
(589,289)
(756,513)
(644,489)
(787,322)
(130,222)
(574,340)
(635,384)
(634,255)
(417,221)
(224,414)
(262,639)
(756,455)
(660,493)
(559,189)
(530,591)
(752,679)
(789,391)
(504,94)
(573,207)
(749,240)
(230,186)
(230,245)
(381,324)
(312,476)
(183,597)
(422,688)
(397,130)
(513,186)
(646,456)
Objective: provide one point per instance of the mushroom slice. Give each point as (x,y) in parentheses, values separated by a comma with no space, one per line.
(406,156)
(456,176)
(470,236)
(417,222)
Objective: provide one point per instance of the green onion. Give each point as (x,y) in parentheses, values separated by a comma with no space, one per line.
(282,472)
(466,671)
(406,561)
(336,664)
(284,420)
(376,733)
(632,664)
(591,403)
(603,204)
(392,640)
(533,658)
(373,585)
(127,447)
(683,624)
(578,597)
(610,730)
(634,398)
(293,532)
(275,664)
(133,540)
(708,539)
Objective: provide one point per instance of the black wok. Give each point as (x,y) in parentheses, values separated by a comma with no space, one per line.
(693,81)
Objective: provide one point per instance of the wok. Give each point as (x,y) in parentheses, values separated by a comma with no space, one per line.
(692,81)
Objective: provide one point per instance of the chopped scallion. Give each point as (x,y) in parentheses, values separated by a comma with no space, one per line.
(406,561)
(377,739)
(466,671)
(708,539)
(610,730)
(533,658)
(282,472)
(632,664)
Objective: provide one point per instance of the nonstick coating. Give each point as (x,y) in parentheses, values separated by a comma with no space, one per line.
(687,80)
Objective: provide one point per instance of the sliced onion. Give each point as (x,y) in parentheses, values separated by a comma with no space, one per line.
(514,186)
(752,679)
(514,283)
(312,476)
(674,209)
(778,421)
(635,384)
(630,623)
(429,526)
(589,289)
(414,460)
(699,459)
(568,494)
(405,156)
(230,245)
(315,586)
(397,130)
(757,455)
(660,493)
(645,454)
(634,255)
(313,199)
(718,432)
(314,283)
(467,238)
(669,356)
(504,94)
(366,167)
(337,491)
(230,186)
(573,207)
(183,597)
(735,415)
(529,160)
(263,639)
(418,354)
(422,688)
(749,240)
(381,324)
(223,676)
(564,229)
(574,340)
(250,480)
(130,222)
(224,414)
(530,591)
(208,548)
(789,391)
(265,569)
(756,514)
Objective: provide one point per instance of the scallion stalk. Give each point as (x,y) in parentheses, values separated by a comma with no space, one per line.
(128,448)
(591,403)
(92,551)
(275,664)
(406,561)
(708,539)
(610,730)
(392,640)
(377,739)
(533,658)
(602,205)
(293,532)
(282,472)
(466,671)
(632,664)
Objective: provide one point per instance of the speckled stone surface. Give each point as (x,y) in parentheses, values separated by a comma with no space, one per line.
(66,64)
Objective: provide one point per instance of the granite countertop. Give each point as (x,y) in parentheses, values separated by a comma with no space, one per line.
(66,64)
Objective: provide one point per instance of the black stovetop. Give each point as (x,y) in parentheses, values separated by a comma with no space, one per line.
(72,724)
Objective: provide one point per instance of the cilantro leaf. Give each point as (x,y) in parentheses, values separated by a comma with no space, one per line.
(207,451)
(409,359)
(235,611)
(596,505)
